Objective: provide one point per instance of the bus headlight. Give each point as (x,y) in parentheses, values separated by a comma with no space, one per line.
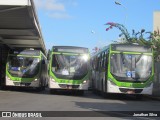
(35,79)
(84,81)
(52,80)
(7,78)
(85,58)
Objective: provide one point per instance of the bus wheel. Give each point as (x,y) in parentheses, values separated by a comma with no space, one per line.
(53,91)
(43,87)
(81,92)
(102,92)
(4,87)
(39,89)
(139,97)
(95,91)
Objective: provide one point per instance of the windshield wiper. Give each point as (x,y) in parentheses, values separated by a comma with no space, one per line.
(122,57)
(139,57)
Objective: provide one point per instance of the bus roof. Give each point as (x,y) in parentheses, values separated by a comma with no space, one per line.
(131,48)
(26,52)
(126,48)
(72,49)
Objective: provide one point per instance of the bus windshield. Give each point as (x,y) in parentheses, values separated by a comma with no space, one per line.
(25,67)
(131,66)
(69,66)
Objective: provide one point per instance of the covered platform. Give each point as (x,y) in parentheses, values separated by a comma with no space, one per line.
(19,25)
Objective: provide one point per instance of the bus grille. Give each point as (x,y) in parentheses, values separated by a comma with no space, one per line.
(21,84)
(64,86)
(125,90)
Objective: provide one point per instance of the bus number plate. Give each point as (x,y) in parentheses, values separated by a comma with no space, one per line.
(130,92)
(69,86)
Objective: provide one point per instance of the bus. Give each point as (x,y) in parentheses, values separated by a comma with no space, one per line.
(123,68)
(26,68)
(69,69)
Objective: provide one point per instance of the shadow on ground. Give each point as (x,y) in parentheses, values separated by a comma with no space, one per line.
(87,94)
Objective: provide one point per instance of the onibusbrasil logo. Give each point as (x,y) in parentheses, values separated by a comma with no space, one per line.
(21,114)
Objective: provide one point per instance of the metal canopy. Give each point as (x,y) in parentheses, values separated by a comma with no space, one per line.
(19,26)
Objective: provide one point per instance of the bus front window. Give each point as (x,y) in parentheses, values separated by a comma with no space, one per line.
(19,66)
(69,66)
(130,66)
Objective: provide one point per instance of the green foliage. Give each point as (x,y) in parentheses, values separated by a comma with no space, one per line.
(152,41)
(155,41)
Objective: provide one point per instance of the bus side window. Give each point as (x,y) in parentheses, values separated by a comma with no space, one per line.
(43,61)
(103,61)
(53,61)
(100,61)
(94,64)
(97,63)
(106,61)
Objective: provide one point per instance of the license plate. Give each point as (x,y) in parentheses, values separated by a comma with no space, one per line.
(22,84)
(130,92)
(69,86)
(17,84)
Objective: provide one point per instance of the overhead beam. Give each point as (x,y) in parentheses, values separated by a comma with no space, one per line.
(29,37)
(24,46)
(18,32)
(10,9)
(15,2)
(19,23)
(24,42)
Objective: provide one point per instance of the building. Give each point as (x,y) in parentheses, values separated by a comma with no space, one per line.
(156,21)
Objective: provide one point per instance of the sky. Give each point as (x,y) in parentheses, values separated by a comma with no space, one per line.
(81,22)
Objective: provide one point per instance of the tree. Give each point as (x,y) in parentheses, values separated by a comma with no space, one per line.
(155,44)
(121,28)
(152,41)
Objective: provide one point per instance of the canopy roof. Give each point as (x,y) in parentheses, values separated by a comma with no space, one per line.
(19,26)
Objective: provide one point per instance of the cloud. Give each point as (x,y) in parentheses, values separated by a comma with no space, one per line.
(58,15)
(49,5)
(54,8)
(71,2)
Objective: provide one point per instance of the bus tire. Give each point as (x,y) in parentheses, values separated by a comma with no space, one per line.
(103,94)
(53,91)
(95,91)
(43,87)
(38,89)
(139,97)
(81,92)
(3,87)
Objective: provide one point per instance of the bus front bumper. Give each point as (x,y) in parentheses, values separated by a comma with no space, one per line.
(112,88)
(34,83)
(55,85)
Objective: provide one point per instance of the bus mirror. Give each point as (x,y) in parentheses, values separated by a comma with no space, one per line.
(43,61)
(48,55)
(48,58)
